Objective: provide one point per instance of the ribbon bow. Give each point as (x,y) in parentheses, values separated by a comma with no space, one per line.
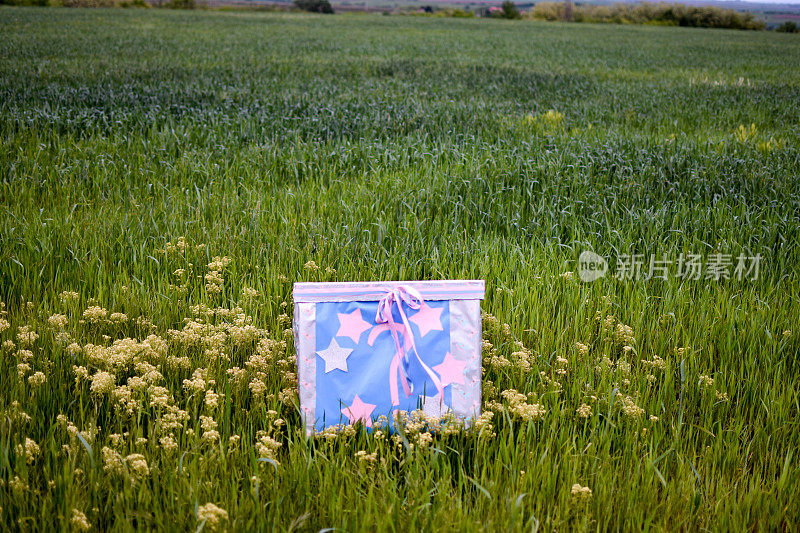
(401,361)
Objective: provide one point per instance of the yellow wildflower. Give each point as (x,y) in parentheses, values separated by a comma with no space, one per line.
(102,382)
(37,379)
(137,466)
(582,349)
(95,313)
(26,336)
(79,521)
(30,450)
(58,321)
(68,295)
(581,494)
(213,516)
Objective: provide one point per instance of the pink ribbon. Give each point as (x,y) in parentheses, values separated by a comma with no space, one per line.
(413,299)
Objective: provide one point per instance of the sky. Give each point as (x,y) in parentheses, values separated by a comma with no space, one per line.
(788,2)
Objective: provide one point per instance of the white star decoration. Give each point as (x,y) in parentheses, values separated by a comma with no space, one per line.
(335,356)
(433,406)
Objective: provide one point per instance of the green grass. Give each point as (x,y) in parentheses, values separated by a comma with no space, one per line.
(399,148)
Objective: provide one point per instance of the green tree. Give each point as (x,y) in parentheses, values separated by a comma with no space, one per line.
(510,10)
(314,6)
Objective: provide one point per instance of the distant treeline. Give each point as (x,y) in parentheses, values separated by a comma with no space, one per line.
(314,6)
(648,13)
(176,4)
(664,14)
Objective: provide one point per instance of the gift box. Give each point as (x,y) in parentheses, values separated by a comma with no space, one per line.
(371,349)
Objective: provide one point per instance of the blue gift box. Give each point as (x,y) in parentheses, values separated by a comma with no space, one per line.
(370,349)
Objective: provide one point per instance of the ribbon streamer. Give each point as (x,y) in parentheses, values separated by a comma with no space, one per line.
(400,363)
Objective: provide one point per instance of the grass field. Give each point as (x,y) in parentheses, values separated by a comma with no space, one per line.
(165,176)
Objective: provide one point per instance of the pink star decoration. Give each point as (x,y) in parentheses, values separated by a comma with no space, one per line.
(352,325)
(451,370)
(428,319)
(359,410)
